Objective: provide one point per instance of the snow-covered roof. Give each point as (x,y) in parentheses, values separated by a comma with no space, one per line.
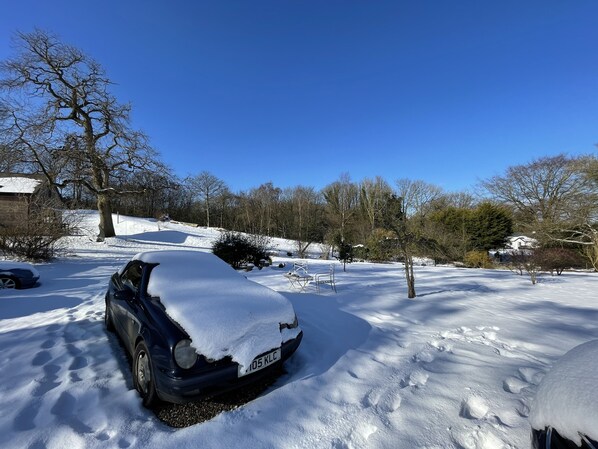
(567,398)
(518,241)
(224,313)
(18,184)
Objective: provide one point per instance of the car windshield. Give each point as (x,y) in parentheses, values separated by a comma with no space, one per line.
(131,277)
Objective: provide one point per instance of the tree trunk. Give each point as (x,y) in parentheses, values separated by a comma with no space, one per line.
(409,276)
(106,224)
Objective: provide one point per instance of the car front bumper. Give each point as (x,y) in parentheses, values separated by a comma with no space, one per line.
(28,282)
(196,386)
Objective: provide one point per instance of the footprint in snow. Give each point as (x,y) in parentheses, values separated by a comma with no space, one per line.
(478,438)
(41,358)
(25,419)
(523,408)
(49,381)
(74,333)
(424,356)
(126,442)
(416,379)
(390,402)
(356,438)
(514,385)
(48,344)
(52,328)
(531,375)
(441,345)
(525,378)
(79,362)
(73,350)
(474,407)
(65,411)
(387,401)
(508,418)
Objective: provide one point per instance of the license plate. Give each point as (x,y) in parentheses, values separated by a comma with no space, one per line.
(261,362)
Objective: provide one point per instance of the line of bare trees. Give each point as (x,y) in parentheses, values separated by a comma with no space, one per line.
(58,118)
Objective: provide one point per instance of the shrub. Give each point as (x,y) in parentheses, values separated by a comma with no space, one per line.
(35,241)
(478,259)
(239,249)
(557,259)
(381,246)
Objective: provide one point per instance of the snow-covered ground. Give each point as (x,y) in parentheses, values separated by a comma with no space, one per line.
(457,367)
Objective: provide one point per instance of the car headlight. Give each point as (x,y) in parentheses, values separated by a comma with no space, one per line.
(292,325)
(184,354)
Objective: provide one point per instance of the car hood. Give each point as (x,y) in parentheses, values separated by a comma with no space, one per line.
(223,313)
(8,266)
(567,397)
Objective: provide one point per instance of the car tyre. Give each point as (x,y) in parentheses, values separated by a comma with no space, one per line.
(7,282)
(143,375)
(108,320)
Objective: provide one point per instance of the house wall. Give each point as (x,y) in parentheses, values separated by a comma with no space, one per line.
(14,209)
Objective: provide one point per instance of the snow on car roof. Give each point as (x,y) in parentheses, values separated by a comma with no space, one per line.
(18,185)
(224,313)
(567,397)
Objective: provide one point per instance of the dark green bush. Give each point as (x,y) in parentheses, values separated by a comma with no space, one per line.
(239,249)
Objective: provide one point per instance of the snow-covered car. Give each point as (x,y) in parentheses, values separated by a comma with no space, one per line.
(195,327)
(17,274)
(565,410)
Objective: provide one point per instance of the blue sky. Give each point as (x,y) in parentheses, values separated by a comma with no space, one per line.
(298,92)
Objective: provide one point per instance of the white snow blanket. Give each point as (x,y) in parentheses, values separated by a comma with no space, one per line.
(455,368)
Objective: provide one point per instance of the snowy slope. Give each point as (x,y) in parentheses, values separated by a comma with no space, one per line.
(455,368)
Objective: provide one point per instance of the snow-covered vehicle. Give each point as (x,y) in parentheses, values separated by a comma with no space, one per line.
(17,274)
(565,411)
(195,327)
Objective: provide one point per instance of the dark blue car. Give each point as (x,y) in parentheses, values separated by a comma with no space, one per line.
(183,316)
(17,275)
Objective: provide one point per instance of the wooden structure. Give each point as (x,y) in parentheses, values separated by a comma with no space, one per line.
(20,196)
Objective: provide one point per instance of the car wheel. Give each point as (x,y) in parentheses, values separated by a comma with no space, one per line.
(108,320)
(7,282)
(143,375)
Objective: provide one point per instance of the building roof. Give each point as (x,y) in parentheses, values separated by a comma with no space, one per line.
(18,184)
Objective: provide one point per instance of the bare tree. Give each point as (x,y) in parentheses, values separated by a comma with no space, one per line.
(418,196)
(556,198)
(371,198)
(206,187)
(342,199)
(397,221)
(405,215)
(265,199)
(65,113)
(305,213)
(546,191)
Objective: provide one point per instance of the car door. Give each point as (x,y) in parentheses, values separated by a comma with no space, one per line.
(126,304)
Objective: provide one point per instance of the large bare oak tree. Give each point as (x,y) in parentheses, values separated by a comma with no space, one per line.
(58,111)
